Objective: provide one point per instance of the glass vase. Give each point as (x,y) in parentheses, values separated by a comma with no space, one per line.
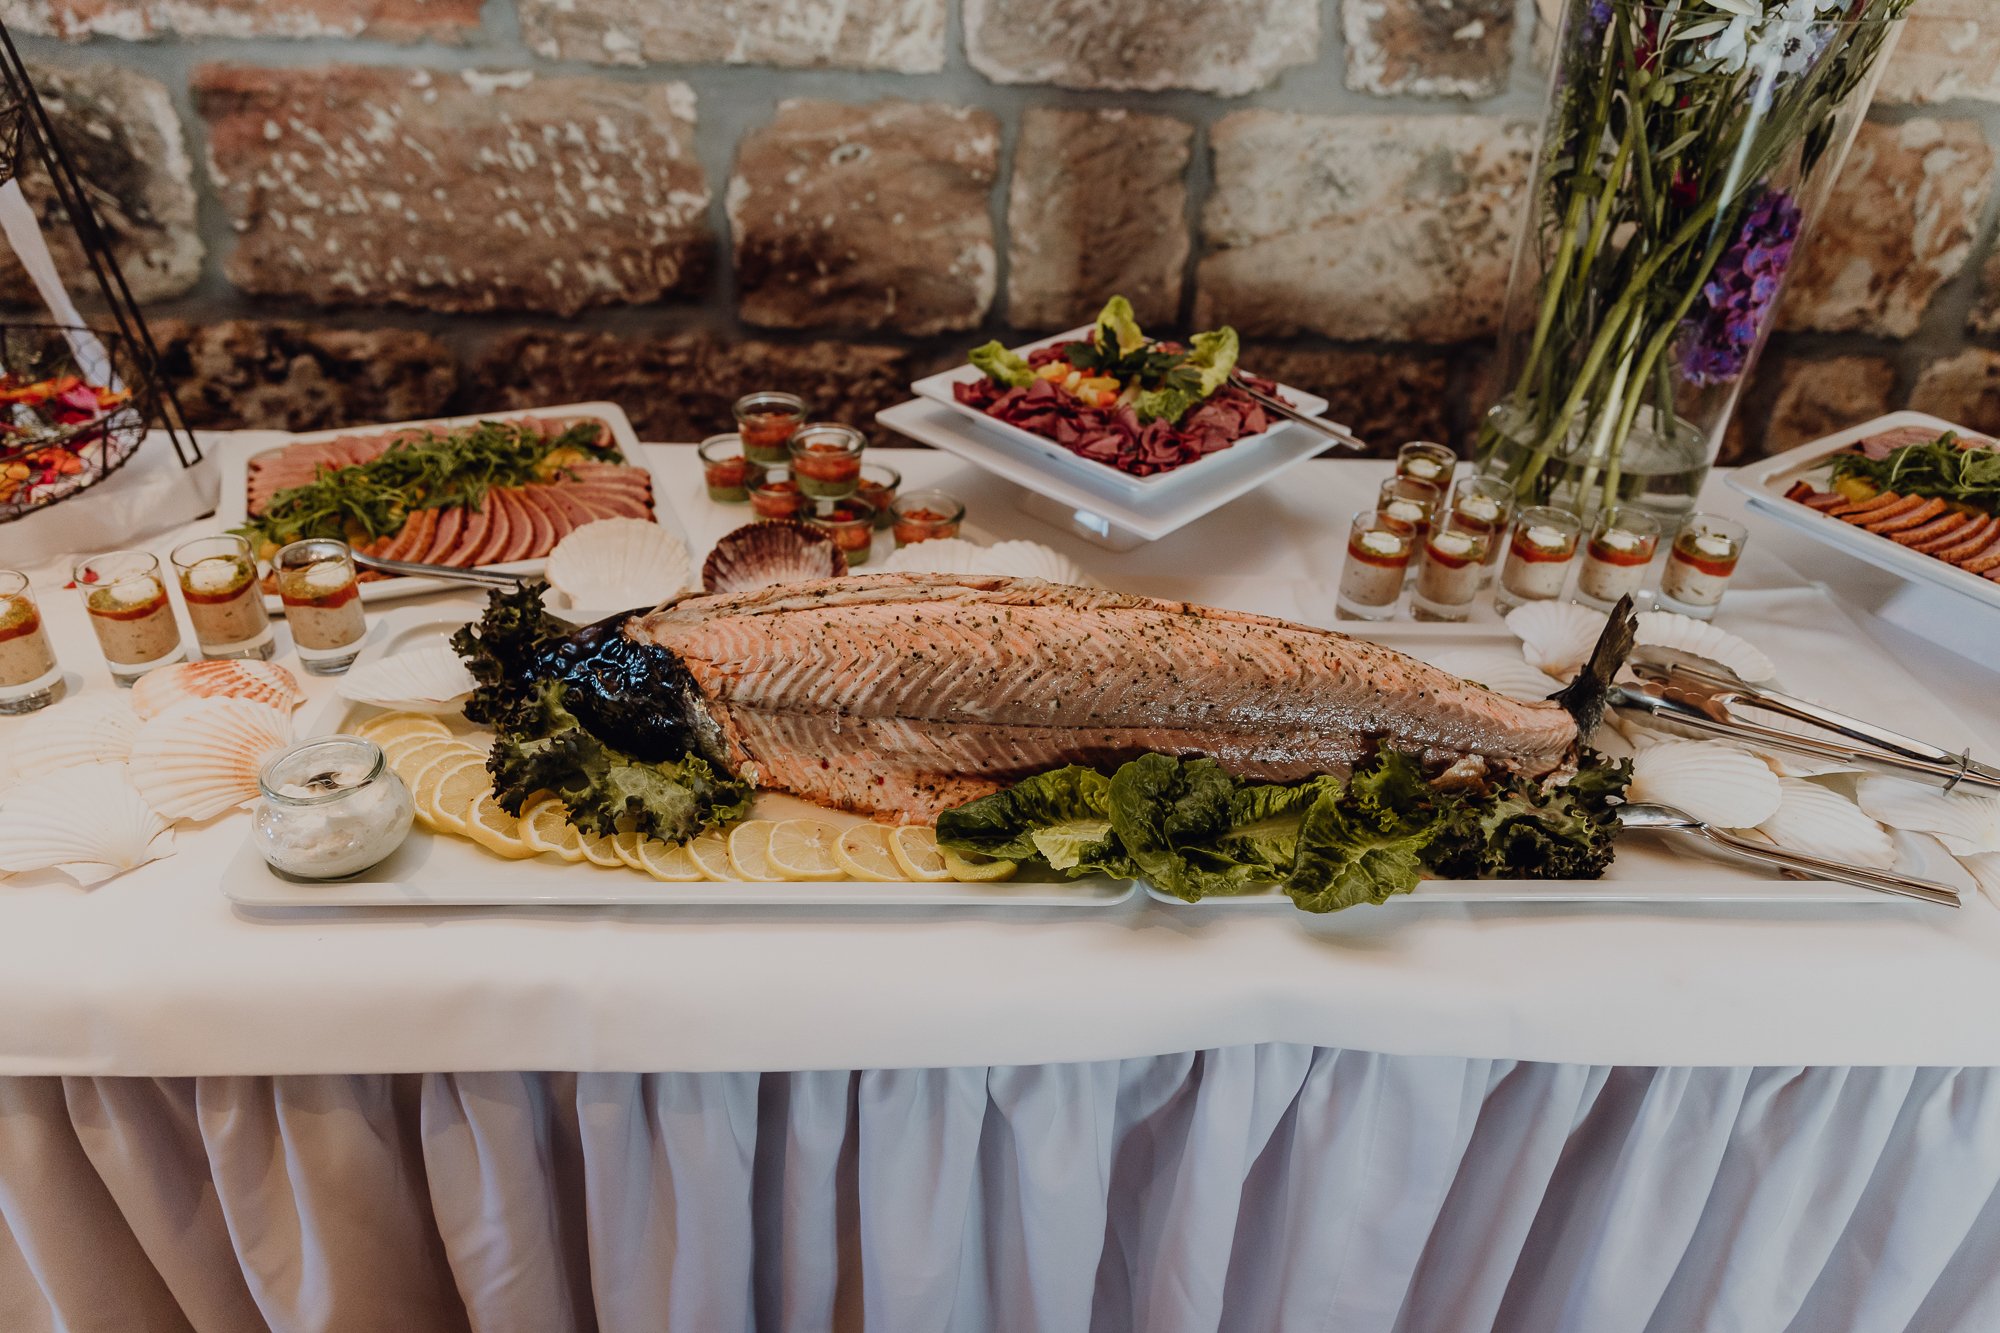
(1686,151)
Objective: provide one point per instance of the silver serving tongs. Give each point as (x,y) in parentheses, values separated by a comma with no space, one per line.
(1334,431)
(484,578)
(1682,690)
(1650,816)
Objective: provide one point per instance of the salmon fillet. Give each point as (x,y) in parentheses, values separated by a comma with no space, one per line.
(908,694)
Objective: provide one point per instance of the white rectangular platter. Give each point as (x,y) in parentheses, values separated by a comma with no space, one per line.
(1765,483)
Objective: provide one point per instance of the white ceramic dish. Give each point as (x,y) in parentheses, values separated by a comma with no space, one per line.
(1764,483)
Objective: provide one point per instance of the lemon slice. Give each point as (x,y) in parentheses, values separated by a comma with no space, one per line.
(545,827)
(710,854)
(984,870)
(385,728)
(408,757)
(916,851)
(496,830)
(447,788)
(599,850)
(749,850)
(803,849)
(626,846)
(669,861)
(863,852)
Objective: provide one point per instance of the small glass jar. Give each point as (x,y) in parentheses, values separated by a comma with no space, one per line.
(1700,564)
(878,488)
(322,600)
(922,516)
(30,678)
(1621,546)
(851,525)
(1409,504)
(129,610)
(1540,551)
(225,601)
(826,459)
(726,469)
(1486,504)
(766,422)
(1378,558)
(1420,460)
(776,495)
(332,808)
(1453,570)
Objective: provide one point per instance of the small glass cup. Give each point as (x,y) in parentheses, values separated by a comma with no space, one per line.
(826,459)
(776,495)
(1453,570)
(921,516)
(1700,564)
(30,679)
(128,606)
(766,422)
(1409,504)
(332,807)
(851,525)
(726,469)
(225,601)
(1421,460)
(1378,558)
(322,603)
(1621,546)
(1540,551)
(1485,503)
(878,488)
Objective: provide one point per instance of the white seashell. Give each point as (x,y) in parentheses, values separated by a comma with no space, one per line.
(1821,822)
(1013,559)
(1965,823)
(1716,783)
(1665,629)
(1556,636)
(260,682)
(202,758)
(1502,672)
(89,731)
(1636,733)
(759,555)
(89,822)
(619,563)
(1785,763)
(1984,867)
(424,680)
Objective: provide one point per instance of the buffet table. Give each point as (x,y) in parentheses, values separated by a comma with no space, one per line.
(1399,1118)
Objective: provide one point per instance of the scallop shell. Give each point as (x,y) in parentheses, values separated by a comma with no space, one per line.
(1714,782)
(89,822)
(1556,636)
(202,758)
(1984,867)
(1013,559)
(1783,762)
(1966,824)
(761,554)
(1821,822)
(1502,672)
(619,563)
(424,680)
(259,682)
(1665,629)
(89,731)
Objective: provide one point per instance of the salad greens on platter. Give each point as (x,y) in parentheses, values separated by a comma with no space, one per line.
(1947,468)
(1118,365)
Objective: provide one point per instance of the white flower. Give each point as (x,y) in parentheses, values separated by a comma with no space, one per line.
(1783,35)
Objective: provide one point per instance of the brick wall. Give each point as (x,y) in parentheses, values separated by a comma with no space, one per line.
(343,210)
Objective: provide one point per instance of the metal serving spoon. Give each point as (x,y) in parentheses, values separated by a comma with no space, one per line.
(1645,815)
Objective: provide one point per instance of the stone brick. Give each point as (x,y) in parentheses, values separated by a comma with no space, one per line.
(1963,388)
(1386,398)
(135,20)
(245,375)
(902,35)
(1429,48)
(1097,206)
(866,217)
(681,387)
(1359,228)
(1222,46)
(1899,227)
(456,192)
(1949,49)
(124,140)
(1985,317)
(1817,398)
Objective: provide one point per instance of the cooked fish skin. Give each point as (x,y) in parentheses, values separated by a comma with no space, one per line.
(907,694)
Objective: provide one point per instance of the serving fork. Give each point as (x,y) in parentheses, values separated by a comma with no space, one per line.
(1652,816)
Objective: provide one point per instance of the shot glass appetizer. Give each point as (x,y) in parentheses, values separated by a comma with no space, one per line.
(129,610)
(776,495)
(726,469)
(1421,460)
(1540,551)
(851,525)
(767,422)
(1378,558)
(1408,503)
(322,603)
(1621,546)
(29,676)
(1452,572)
(1700,564)
(826,460)
(1485,504)
(225,601)
(921,516)
(878,488)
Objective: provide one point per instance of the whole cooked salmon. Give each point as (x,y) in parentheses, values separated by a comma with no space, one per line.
(908,694)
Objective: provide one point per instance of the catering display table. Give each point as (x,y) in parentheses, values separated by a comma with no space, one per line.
(1403,1118)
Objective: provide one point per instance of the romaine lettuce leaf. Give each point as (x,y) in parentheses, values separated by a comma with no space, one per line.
(1062,817)
(1118,328)
(1002,366)
(1365,841)
(1213,356)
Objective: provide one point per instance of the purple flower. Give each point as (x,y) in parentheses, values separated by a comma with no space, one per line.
(1721,332)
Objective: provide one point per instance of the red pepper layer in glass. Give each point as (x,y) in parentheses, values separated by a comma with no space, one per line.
(827,470)
(24,649)
(777,499)
(851,530)
(1699,568)
(728,479)
(765,434)
(916,525)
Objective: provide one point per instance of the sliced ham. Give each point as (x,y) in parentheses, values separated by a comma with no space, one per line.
(498,524)
(1943,527)
(1862,511)
(565,497)
(471,536)
(543,502)
(415,538)
(1985,558)
(1891,520)
(541,530)
(1823,503)
(1967,543)
(450,523)
(521,529)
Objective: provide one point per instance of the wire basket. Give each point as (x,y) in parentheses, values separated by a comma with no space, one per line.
(74,403)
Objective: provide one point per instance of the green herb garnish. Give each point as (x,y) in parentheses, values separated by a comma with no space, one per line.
(1941,469)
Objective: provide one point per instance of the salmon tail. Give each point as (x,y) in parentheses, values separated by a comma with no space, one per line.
(1585,696)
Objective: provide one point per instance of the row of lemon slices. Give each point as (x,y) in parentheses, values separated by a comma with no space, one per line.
(449,784)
